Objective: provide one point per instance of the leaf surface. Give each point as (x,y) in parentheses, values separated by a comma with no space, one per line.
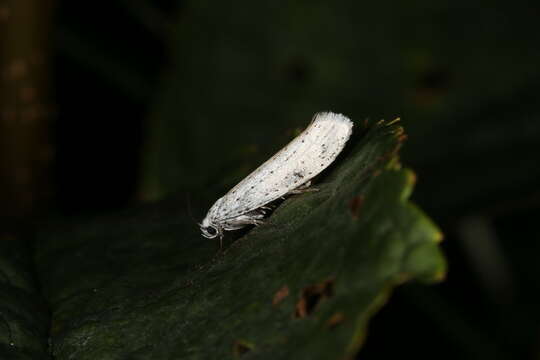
(144,284)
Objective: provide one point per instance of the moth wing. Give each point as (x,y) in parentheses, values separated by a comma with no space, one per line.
(298,162)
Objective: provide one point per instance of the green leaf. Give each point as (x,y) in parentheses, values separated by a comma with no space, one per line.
(23,316)
(144,284)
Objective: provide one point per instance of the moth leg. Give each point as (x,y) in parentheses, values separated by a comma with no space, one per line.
(305,187)
(257,214)
(251,218)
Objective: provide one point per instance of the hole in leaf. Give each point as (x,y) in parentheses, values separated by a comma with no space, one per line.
(312,296)
(280,295)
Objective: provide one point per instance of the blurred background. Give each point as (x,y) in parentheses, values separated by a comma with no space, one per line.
(108,104)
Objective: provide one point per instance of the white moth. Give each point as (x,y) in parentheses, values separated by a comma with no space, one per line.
(288,172)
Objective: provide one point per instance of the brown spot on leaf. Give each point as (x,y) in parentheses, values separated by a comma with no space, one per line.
(402,137)
(335,320)
(241,347)
(311,297)
(356,205)
(280,295)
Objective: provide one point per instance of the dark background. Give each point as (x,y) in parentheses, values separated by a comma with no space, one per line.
(150,99)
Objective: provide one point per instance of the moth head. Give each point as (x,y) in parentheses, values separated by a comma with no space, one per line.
(209,230)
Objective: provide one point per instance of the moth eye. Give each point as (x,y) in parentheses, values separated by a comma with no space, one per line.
(211,230)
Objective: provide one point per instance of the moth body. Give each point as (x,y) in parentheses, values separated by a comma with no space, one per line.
(289,171)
